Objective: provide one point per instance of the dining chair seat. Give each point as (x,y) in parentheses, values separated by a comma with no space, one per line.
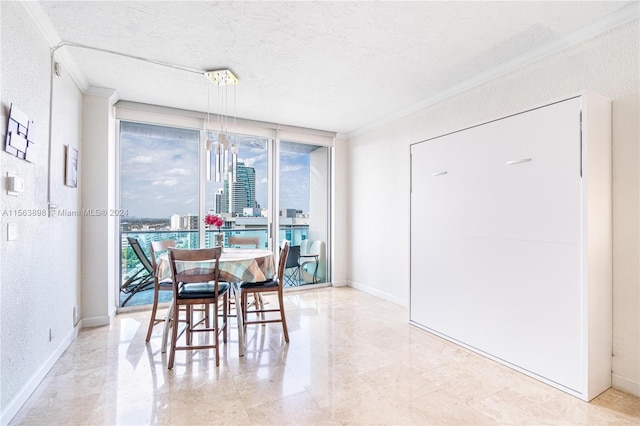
(269,283)
(201,290)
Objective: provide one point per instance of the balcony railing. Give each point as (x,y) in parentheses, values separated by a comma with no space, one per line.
(190,239)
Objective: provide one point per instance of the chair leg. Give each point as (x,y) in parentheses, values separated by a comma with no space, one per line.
(215,333)
(243,309)
(282,316)
(174,336)
(225,316)
(189,323)
(152,321)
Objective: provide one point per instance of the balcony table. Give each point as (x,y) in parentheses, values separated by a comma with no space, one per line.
(236,265)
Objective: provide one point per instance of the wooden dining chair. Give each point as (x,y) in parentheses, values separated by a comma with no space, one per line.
(197,284)
(272,286)
(249,242)
(252,242)
(155,249)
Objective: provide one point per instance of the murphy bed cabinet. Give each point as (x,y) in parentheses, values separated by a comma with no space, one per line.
(511,241)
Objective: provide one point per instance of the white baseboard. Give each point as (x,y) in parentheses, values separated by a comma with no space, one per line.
(626,385)
(386,296)
(340,283)
(96,321)
(14,406)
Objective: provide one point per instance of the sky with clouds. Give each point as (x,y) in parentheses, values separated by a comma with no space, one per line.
(159,172)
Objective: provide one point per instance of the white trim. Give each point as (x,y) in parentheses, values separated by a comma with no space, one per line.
(375,292)
(625,384)
(50,35)
(614,20)
(27,390)
(96,321)
(103,92)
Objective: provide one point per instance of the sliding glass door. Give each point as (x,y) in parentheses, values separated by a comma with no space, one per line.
(303,188)
(171,178)
(159,184)
(240,196)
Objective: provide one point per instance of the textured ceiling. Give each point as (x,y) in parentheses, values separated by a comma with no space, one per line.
(337,66)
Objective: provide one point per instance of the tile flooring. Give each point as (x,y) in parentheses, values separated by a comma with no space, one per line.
(353,359)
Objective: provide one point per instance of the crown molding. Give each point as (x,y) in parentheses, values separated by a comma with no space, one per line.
(616,19)
(103,92)
(51,37)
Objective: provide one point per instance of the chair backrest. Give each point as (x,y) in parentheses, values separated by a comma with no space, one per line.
(284,254)
(304,246)
(159,246)
(316,248)
(244,241)
(140,254)
(194,265)
(293,258)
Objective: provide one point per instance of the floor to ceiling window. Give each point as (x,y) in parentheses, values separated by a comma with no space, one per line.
(169,181)
(304,210)
(243,203)
(159,184)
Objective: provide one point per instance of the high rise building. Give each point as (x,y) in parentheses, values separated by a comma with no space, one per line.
(218,206)
(240,194)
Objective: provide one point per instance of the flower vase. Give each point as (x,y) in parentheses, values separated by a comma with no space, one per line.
(218,239)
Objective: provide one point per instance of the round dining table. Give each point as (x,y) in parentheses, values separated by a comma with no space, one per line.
(236,265)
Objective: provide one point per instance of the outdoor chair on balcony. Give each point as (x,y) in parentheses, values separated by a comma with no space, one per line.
(142,278)
(292,267)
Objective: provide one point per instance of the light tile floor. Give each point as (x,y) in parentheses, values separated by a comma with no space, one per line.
(352,359)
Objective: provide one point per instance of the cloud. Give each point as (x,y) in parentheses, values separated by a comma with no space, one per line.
(291,168)
(141,159)
(165,182)
(178,172)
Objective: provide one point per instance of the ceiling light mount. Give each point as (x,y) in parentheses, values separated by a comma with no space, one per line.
(222,77)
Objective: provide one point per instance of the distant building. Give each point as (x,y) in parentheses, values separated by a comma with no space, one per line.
(189,222)
(175,221)
(251,212)
(240,194)
(218,205)
(288,213)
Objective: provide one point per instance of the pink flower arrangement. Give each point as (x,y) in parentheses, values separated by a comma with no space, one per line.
(215,220)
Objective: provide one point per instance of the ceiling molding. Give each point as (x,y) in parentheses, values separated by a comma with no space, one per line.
(46,28)
(620,17)
(103,92)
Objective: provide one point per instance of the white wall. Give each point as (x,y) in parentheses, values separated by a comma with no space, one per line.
(99,274)
(380,177)
(40,270)
(340,202)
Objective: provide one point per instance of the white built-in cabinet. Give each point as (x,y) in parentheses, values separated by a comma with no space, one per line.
(511,241)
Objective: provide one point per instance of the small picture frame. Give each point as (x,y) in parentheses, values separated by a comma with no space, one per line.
(71,167)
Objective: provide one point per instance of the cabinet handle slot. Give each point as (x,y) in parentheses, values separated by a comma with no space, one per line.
(513,162)
(438,174)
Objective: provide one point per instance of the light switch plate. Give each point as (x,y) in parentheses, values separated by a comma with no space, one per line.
(12,231)
(15,184)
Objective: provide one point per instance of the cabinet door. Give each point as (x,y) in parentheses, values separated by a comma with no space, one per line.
(496,240)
